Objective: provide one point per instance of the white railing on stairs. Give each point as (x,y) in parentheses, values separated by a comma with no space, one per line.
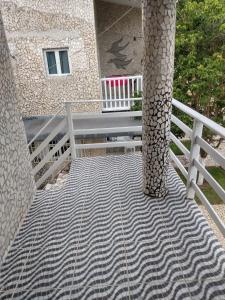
(41,155)
(45,126)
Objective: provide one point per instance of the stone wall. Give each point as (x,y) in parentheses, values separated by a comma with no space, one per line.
(16,183)
(120,47)
(32,26)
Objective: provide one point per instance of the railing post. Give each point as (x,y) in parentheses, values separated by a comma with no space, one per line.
(70,129)
(194,154)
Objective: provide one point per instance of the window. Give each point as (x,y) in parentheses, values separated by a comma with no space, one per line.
(57,62)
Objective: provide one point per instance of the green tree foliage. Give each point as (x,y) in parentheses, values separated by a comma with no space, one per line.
(199,79)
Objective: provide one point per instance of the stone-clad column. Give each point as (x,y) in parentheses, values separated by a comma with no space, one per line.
(159,18)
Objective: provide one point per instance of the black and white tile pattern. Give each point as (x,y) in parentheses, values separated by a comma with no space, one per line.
(100,237)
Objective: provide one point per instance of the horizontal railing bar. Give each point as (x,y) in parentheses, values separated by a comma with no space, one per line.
(45,126)
(211,151)
(108,145)
(214,184)
(114,109)
(178,163)
(121,77)
(180,145)
(50,154)
(102,101)
(53,168)
(45,143)
(204,120)
(107,115)
(108,130)
(182,125)
(209,208)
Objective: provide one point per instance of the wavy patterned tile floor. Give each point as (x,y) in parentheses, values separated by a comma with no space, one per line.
(100,238)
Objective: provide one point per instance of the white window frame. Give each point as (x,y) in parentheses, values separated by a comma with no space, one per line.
(57,59)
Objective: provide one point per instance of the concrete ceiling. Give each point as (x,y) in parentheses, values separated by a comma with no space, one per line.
(135,3)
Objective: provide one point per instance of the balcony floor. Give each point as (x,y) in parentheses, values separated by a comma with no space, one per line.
(100,238)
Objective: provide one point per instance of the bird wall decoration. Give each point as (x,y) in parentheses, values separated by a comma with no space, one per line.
(120,60)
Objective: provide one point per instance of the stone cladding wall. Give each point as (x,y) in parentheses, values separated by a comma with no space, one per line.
(16,181)
(32,26)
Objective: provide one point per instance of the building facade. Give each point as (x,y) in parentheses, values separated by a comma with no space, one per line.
(53,51)
(60,49)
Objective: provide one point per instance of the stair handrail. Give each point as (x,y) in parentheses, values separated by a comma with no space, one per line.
(45,126)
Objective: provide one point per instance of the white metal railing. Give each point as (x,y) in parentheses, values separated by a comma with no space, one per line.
(45,126)
(195,135)
(43,155)
(195,166)
(120,88)
(47,157)
(73,132)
